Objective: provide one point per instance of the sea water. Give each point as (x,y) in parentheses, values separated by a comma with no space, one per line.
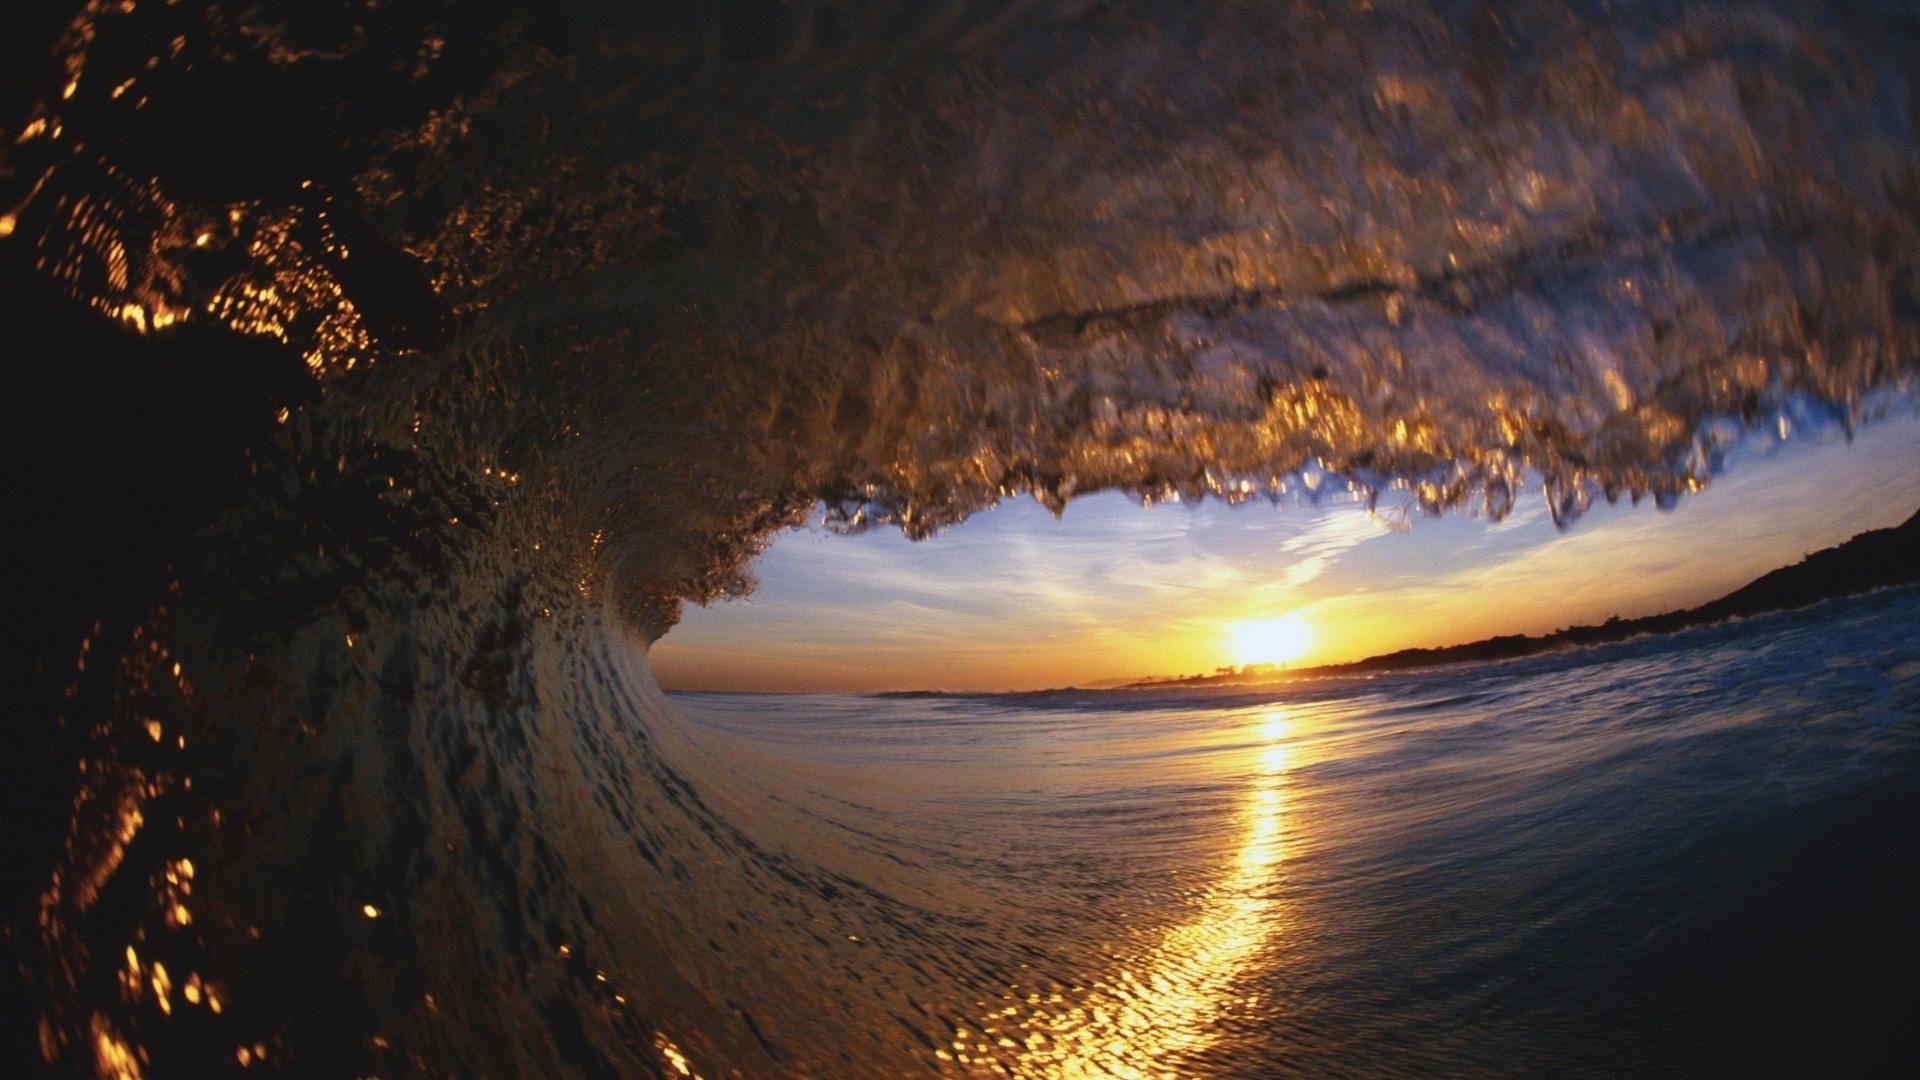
(569,309)
(1690,855)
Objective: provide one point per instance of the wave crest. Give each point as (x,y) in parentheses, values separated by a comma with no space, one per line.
(696,283)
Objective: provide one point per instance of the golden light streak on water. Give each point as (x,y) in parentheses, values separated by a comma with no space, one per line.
(128,820)
(162,987)
(1146,1025)
(112,1057)
(678,1061)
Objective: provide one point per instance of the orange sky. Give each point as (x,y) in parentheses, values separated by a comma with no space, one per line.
(1015,599)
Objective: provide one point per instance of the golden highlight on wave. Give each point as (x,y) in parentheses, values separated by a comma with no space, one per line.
(689,278)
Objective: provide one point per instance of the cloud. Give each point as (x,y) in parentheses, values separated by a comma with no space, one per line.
(1140,590)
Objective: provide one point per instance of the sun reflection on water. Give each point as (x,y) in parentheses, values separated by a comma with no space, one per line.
(1152,1016)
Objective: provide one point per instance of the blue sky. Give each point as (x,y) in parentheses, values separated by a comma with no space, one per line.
(1014,598)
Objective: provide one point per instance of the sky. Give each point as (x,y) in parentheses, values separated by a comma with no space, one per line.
(1014,598)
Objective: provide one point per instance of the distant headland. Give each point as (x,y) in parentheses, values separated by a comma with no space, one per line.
(1871,560)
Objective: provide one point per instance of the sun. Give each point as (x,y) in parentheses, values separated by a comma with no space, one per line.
(1271,641)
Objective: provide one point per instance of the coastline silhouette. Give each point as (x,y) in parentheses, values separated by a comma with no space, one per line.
(1878,558)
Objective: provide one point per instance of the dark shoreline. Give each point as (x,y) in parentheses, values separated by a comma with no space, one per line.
(1874,559)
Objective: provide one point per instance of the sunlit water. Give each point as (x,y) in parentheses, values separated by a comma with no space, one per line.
(1690,854)
(568,309)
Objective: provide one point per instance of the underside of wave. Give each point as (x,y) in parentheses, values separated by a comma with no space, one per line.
(445,821)
(1056,255)
(592,308)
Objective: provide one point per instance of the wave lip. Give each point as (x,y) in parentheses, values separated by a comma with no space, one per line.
(1446,255)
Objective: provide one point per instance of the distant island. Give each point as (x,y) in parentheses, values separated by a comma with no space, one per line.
(1871,560)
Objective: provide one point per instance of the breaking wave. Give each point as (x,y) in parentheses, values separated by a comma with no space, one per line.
(596,302)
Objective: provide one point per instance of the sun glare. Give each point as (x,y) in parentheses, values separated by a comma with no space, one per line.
(1271,641)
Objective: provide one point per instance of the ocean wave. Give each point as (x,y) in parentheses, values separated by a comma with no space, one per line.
(595,304)
(696,292)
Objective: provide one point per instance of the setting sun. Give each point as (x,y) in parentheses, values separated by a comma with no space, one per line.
(1271,641)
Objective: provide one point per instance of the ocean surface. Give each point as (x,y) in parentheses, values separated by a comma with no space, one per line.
(1686,855)
(395,372)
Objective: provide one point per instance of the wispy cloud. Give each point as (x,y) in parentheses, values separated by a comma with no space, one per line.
(1016,597)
